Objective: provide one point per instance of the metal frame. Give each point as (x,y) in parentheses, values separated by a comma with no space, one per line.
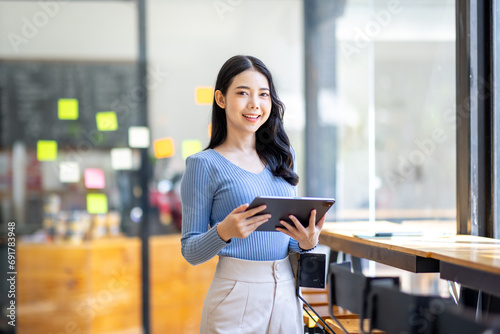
(144,171)
(320,75)
(495,156)
(473,118)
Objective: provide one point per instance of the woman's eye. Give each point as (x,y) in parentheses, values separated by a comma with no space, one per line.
(242,93)
(264,94)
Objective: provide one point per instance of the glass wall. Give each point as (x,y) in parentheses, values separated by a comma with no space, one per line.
(395,108)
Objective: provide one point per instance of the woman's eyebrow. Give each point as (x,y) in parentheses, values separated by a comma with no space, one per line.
(246,87)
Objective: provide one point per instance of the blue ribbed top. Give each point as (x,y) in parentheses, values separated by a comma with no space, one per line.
(211,188)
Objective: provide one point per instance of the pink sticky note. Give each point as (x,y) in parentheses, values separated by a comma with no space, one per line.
(94,178)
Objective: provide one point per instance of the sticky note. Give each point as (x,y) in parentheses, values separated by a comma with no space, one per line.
(164,148)
(190,147)
(69,172)
(97,203)
(94,178)
(204,95)
(121,158)
(106,121)
(138,137)
(46,150)
(67,109)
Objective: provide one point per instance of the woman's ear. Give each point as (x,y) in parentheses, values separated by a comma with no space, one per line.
(219,99)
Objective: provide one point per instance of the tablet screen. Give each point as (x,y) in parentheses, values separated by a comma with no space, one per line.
(281,207)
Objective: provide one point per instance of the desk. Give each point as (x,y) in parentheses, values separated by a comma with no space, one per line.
(469,260)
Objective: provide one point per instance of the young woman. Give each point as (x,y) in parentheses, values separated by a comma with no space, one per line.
(249,155)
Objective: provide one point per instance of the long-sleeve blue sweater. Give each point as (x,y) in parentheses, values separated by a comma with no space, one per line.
(211,188)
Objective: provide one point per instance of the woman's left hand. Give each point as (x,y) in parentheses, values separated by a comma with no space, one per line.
(306,236)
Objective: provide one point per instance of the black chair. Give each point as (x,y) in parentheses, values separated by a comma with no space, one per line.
(394,312)
(350,290)
(460,320)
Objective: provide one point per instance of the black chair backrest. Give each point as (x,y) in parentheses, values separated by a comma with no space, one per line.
(460,320)
(350,290)
(395,312)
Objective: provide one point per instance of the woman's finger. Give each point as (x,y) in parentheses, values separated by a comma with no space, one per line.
(319,225)
(257,218)
(297,223)
(241,208)
(284,230)
(254,211)
(312,220)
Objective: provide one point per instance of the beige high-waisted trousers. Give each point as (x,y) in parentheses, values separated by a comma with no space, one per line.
(252,297)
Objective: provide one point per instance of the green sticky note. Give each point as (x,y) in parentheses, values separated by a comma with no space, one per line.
(46,150)
(97,203)
(190,147)
(106,121)
(67,109)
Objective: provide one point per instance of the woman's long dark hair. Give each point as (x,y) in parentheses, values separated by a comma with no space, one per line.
(272,143)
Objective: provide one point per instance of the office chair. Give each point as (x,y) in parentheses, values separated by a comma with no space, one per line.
(394,312)
(350,290)
(461,320)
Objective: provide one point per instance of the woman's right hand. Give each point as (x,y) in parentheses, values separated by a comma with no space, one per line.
(240,223)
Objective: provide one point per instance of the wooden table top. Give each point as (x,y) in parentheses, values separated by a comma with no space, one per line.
(436,241)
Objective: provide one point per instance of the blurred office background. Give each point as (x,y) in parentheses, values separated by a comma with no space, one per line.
(369,87)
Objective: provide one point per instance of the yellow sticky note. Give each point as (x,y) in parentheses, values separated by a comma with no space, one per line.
(97,203)
(204,95)
(106,121)
(190,147)
(46,150)
(164,148)
(67,109)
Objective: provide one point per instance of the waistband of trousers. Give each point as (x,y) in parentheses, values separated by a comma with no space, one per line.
(254,271)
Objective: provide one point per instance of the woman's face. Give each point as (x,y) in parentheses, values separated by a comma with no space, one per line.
(247,102)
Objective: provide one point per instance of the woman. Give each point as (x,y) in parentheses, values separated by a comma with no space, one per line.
(249,155)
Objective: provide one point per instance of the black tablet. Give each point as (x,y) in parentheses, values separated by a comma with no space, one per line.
(281,207)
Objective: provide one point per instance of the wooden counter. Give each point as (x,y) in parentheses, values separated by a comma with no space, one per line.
(470,260)
(96,287)
(178,289)
(88,288)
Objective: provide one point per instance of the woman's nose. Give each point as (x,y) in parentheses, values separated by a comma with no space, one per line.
(253,103)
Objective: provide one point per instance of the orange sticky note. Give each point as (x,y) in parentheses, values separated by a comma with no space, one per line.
(204,95)
(164,148)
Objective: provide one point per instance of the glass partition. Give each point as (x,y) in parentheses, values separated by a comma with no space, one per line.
(395,107)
